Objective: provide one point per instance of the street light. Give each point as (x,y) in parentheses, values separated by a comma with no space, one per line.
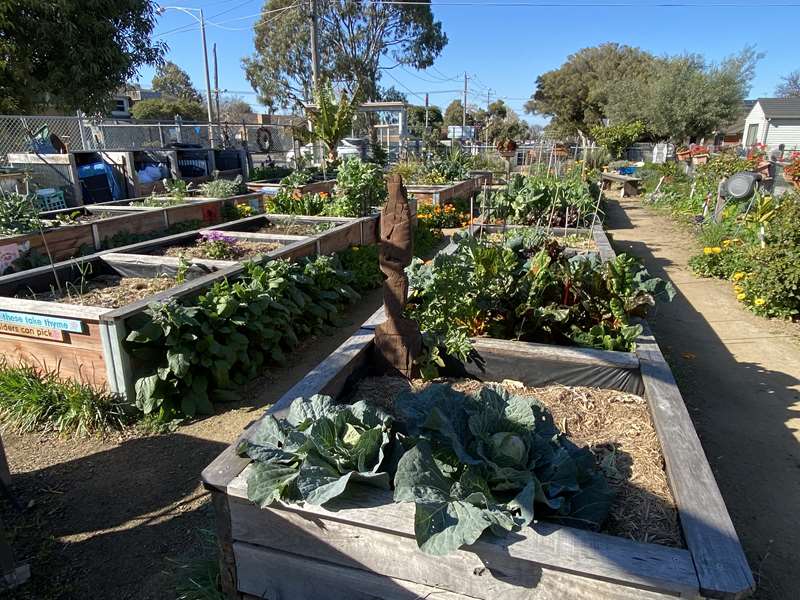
(160,10)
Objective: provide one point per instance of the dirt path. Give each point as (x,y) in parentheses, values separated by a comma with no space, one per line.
(740,376)
(119,518)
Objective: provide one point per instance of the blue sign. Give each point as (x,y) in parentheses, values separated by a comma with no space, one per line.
(43,321)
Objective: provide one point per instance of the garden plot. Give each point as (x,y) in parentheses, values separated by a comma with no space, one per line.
(355,540)
(78,314)
(97,227)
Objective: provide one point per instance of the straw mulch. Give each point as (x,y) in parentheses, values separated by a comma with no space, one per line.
(618,430)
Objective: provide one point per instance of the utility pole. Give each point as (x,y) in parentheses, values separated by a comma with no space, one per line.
(464,115)
(314,53)
(488,102)
(208,80)
(216,87)
(426,112)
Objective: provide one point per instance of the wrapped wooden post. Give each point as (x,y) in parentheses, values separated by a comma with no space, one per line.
(398,341)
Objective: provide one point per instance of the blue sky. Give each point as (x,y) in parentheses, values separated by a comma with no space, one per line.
(504,48)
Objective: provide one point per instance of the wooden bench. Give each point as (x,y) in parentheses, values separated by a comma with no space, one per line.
(630,185)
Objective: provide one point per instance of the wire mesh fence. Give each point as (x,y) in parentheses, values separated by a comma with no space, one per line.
(49,134)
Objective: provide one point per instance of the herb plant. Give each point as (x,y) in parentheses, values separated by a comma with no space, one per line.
(223,188)
(359,187)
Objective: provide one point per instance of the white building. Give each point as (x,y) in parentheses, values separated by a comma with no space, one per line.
(774,121)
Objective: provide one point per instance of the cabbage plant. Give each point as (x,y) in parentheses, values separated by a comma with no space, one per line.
(317,451)
(490,461)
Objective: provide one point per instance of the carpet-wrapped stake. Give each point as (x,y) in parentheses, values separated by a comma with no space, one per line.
(398,341)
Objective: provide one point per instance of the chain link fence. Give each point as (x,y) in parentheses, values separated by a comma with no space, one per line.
(25,134)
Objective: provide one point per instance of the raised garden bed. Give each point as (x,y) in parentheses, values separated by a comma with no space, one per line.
(364,546)
(85,341)
(93,234)
(440,194)
(270,188)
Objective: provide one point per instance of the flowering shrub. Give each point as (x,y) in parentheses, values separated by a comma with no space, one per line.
(771,287)
(792,170)
(720,261)
(442,217)
(218,246)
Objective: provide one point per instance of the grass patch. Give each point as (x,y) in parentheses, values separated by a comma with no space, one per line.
(198,579)
(34,399)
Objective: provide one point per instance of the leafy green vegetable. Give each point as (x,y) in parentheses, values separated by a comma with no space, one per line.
(514,291)
(317,451)
(18,214)
(490,461)
(193,355)
(546,200)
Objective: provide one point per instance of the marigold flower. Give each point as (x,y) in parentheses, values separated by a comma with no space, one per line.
(759,302)
(716,250)
(738,276)
(741,296)
(738,288)
(708,250)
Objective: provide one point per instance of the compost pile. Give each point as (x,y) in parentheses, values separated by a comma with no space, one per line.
(472,457)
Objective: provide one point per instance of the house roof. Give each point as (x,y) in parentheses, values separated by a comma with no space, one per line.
(780,108)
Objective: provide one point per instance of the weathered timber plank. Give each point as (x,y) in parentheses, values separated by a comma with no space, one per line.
(512,558)
(57,309)
(603,244)
(151,263)
(261,237)
(227,561)
(278,576)
(388,554)
(710,536)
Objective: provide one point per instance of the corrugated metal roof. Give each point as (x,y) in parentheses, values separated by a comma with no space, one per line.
(781,108)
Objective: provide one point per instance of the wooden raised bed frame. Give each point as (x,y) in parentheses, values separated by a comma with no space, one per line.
(367,550)
(64,242)
(440,194)
(94,352)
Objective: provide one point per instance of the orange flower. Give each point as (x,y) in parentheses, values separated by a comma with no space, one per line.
(324,195)
(297,195)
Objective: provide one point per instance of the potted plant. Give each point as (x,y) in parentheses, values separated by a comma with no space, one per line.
(700,155)
(792,170)
(758,155)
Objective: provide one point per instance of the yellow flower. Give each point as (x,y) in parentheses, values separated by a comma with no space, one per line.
(760,302)
(726,243)
(716,250)
(708,250)
(741,296)
(738,276)
(738,289)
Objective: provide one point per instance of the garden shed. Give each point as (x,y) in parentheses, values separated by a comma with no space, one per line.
(774,121)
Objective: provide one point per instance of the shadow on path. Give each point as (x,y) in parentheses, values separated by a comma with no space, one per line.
(745,411)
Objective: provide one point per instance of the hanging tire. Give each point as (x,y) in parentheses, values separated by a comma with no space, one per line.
(263,139)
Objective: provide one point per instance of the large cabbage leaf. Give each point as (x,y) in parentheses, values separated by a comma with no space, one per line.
(317,451)
(490,460)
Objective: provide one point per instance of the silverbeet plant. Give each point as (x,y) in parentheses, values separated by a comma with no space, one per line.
(317,451)
(491,461)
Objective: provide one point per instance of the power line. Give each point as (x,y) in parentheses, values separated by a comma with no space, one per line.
(220,24)
(587,5)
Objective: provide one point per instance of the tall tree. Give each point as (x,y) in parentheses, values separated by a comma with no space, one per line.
(391,94)
(575,94)
(454,114)
(173,82)
(72,54)
(353,37)
(684,97)
(416,120)
(789,86)
(234,110)
(165,109)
